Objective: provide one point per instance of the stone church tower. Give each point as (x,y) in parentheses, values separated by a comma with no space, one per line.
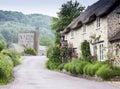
(29,39)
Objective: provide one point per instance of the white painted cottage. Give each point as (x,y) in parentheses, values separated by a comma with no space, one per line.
(101,21)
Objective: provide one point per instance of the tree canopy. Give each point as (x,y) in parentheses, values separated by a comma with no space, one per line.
(68,12)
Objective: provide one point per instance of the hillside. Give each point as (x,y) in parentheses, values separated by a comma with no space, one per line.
(12,22)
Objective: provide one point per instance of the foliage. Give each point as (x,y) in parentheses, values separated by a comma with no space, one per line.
(53,53)
(80,66)
(46,41)
(61,66)
(13,55)
(85,49)
(66,53)
(105,72)
(30,51)
(6,69)
(68,12)
(52,65)
(2,45)
(12,22)
(100,69)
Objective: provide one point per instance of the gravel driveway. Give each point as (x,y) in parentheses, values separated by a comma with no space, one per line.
(32,74)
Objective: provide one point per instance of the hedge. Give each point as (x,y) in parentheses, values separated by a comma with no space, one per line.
(6,69)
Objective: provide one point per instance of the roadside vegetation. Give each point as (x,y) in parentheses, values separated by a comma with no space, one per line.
(30,51)
(8,60)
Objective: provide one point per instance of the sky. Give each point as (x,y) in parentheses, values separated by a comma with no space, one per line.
(46,7)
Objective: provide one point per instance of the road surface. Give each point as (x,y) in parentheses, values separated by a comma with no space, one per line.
(32,74)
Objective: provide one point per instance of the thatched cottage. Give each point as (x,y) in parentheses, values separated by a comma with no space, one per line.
(99,24)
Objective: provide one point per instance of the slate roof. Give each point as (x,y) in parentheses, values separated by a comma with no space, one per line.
(99,9)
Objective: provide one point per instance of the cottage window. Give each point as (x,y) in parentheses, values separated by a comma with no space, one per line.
(84,28)
(119,18)
(101,56)
(98,22)
(72,34)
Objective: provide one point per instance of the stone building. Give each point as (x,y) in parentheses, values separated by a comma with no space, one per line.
(100,21)
(29,39)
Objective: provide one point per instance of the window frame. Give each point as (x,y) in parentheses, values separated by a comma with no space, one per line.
(84,28)
(98,22)
(72,34)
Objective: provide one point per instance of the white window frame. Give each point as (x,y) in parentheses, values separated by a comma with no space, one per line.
(98,22)
(72,34)
(101,52)
(84,28)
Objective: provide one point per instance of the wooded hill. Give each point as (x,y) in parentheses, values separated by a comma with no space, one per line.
(12,22)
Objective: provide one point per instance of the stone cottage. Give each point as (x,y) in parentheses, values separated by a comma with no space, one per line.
(99,24)
(29,39)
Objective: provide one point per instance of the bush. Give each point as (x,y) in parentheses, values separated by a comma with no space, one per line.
(85,49)
(52,65)
(2,45)
(95,67)
(53,53)
(80,66)
(105,72)
(6,69)
(85,69)
(13,55)
(61,66)
(30,51)
(66,66)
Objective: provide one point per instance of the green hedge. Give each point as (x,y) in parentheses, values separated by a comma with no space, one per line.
(52,65)
(13,55)
(80,66)
(30,51)
(6,69)
(101,69)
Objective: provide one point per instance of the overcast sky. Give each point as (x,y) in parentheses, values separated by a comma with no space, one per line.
(47,7)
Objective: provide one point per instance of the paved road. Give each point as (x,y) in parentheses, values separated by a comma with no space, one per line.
(32,74)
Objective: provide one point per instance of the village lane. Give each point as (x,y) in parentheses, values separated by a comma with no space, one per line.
(32,74)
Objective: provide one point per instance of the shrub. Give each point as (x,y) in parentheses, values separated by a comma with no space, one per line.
(30,51)
(52,65)
(13,55)
(66,66)
(2,45)
(95,67)
(86,69)
(53,53)
(85,49)
(6,69)
(80,66)
(105,72)
(61,66)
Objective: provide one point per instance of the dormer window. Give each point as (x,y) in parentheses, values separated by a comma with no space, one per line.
(98,22)
(72,34)
(84,28)
(119,18)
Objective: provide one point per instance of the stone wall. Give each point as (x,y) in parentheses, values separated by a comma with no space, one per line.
(113,25)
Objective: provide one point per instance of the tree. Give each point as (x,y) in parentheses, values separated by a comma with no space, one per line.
(46,41)
(68,12)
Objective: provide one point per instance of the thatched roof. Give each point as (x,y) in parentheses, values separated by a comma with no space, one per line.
(115,37)
(99,9)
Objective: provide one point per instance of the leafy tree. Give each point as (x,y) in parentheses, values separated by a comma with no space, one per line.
(68,12)
(46,41)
